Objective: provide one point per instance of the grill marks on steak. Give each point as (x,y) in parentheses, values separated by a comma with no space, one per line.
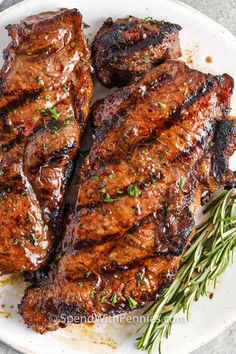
(147,110)
(127,48)
(151,161)
(119,255)
(46,88)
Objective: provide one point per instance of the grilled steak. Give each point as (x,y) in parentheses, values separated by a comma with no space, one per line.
(140,185)
(45,87)
(127,48)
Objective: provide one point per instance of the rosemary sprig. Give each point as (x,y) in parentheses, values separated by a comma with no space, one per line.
(210,252)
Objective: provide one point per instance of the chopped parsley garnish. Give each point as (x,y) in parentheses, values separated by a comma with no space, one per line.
(47,97)
(95,178)
(211,143)
(51,111)
(34,119)
(145,59)
(148,18)
(112,176)
(102,190)
(131,302)
(87,275)
(65,89)
(104,298)
(140,280)
(160,104)
(93,293)
(69,121)
(108,199)
(113,299)
(86,25)
(80,283)
(133,190)
(18,242)
(1,172)
(24,193)
(119,191)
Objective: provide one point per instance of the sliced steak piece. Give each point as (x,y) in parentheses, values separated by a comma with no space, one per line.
(135,214)
(46,88)
(129,47)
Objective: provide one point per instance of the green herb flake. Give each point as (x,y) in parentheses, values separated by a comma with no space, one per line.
(132,303)
(133,190)
(95,178)
(140,280)
(146,19)
(108,199)
(211,144)
(65,89)
(93,293)
(18,242)
(35,119)
(160,104)
(15,241)
(113,299)
(102,190)
(103,299)
(24,193)
(87,275)
(1,172)
(80,283)
(86,25)
(145,59)
(119,191)
(112,176)
(47,97)
(69,121)
(51,111)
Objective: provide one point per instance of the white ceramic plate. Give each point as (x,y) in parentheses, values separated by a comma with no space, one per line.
(200,37)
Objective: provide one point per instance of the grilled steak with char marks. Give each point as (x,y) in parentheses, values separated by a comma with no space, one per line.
(140,185)
(45,87)
(129,47)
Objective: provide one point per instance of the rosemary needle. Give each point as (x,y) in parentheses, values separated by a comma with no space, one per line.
(210,252)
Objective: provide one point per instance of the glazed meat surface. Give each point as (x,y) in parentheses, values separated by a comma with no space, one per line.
(129,47)
(155,152)
(45,87)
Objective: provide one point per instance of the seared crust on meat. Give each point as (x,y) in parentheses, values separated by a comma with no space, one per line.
(45,87)
(136,204)
(129,47)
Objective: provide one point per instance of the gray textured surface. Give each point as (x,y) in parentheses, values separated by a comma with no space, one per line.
(224,12)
